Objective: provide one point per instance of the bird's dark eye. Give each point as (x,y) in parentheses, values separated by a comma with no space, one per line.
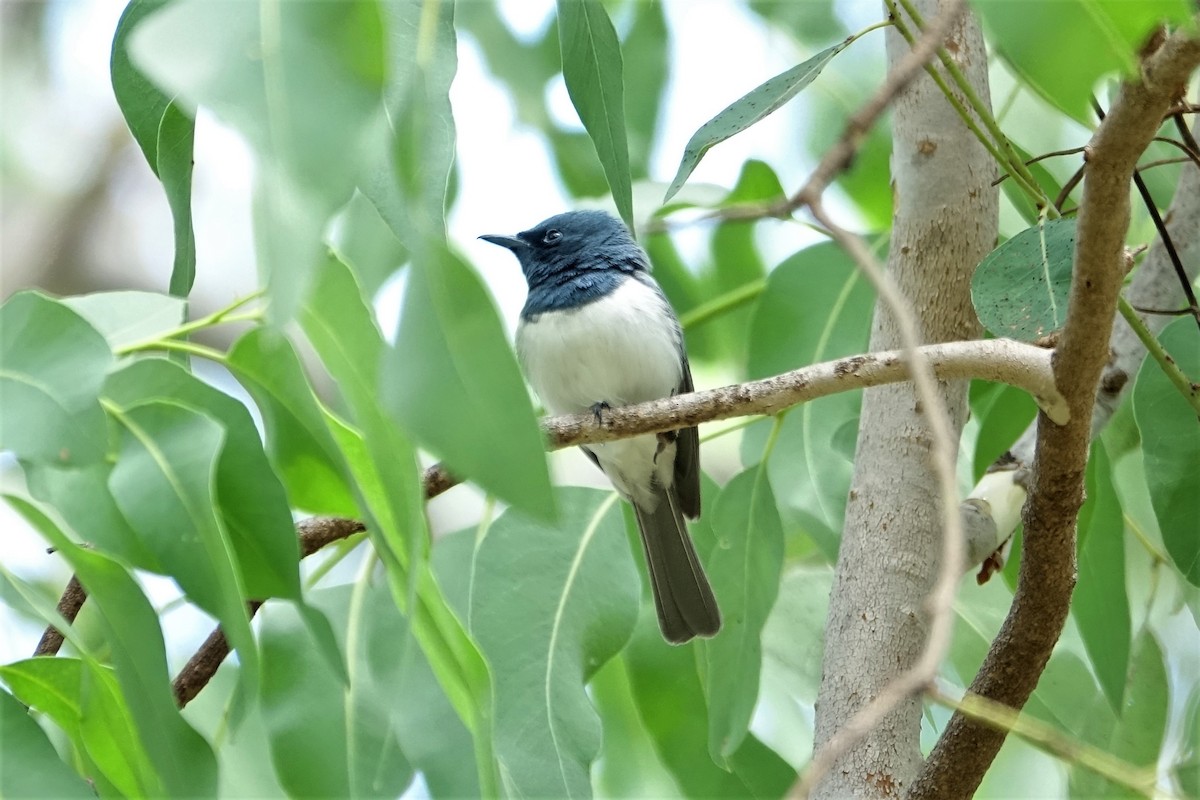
(552,236)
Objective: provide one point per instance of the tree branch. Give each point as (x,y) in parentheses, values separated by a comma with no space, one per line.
(315,533)
(1047,575)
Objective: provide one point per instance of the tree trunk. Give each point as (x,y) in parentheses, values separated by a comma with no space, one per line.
(945,221)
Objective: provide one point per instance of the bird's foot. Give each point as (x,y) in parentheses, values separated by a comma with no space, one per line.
(598,410)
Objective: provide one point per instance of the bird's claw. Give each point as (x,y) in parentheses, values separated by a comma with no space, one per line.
(598,410)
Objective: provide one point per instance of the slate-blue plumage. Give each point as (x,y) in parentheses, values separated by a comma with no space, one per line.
(597,331)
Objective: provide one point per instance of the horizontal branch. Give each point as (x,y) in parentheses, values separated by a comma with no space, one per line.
(1002,360)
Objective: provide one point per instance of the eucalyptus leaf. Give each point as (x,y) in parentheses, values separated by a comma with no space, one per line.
(124,318)
(549,606)
(1171,446)
(52,365)
(452,381)
(298,441)
(42,773)
(181,758)
(749,109)
(1101,605)
(1020,289)
(815,307)
(745,567)
(165,132)
(252,507)
(593,71)
(1105,36)
(302,82)
(164,482)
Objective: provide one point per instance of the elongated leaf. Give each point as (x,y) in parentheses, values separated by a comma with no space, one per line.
(298,441)
(253,508)
(752,107)
(550,605)
(84,501)
(184,763)
(669,695)
(452,381)
(41,772)
(1171,446)
(1101,606)
(1105,37)
(165,133)
(82,698)
(302,83)
(410,186)
(745,568)
(816,307)
(357,754)
(127,317)
(592,69)
(52,364)
(646,54)
(1020,289)
(1186,770)
(384,467)
(163,482)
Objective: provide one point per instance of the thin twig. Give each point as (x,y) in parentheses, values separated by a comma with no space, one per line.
(1070,151)
(1159,226)
(69,604)
(314,533)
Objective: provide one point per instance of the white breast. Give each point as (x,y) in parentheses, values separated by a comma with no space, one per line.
(620,349)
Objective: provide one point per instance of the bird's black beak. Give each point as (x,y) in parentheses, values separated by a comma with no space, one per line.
(509,242)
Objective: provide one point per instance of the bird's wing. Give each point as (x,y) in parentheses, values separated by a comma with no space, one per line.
(687,456)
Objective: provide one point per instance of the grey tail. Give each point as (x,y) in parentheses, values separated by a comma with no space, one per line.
(682,595)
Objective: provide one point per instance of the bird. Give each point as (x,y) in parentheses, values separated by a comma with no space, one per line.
(597,332)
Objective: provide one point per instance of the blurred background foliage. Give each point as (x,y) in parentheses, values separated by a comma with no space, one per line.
(515,638)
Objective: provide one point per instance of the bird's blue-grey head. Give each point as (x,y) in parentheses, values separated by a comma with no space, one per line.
(573,243)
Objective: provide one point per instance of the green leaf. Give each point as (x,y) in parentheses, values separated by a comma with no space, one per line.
(302,83)
(41,773)
(253,509)
(163,482)
(341,327)
(1100,605)
(1004,412)
(749,109)
(184,762)
(1136,736)
(669,696)
(1186,769)
(592,69)
(645,53)
(452,381)
(1020,289)
(410,187)
(357,753)
(1171,446)
(82,498)
(549,606)
(52,364)
(745,568)
(165,133)
(127,317)
(1104,37)
(84,701)
(816,307)
(298,441)
(367,244)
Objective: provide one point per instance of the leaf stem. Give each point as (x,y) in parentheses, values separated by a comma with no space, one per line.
(1188,389)
(722,304)
(1049,739)
(218,317)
